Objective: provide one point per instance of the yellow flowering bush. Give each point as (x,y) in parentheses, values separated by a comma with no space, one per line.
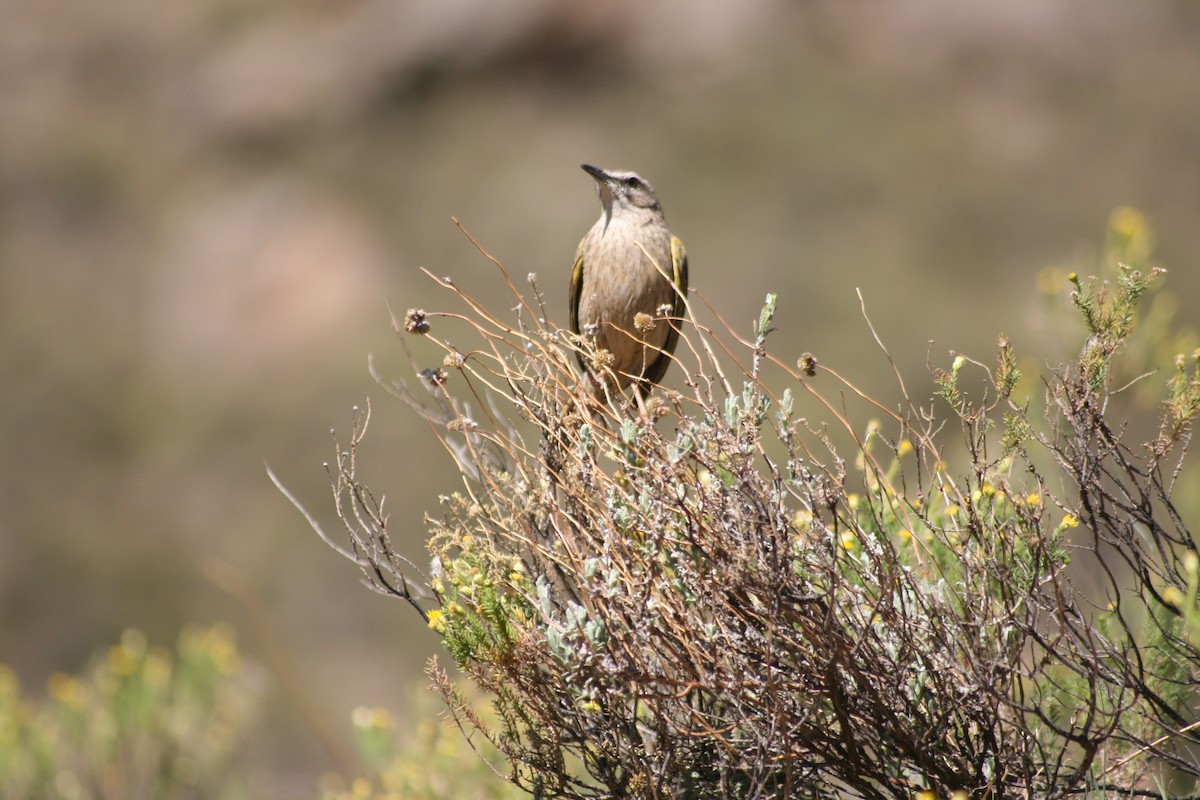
(140,721)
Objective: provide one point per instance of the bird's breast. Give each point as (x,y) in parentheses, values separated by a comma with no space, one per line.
(620,281)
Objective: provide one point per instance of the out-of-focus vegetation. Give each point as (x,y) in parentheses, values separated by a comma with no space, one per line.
(139,721)
(205,206)
(426,758)
(144,721)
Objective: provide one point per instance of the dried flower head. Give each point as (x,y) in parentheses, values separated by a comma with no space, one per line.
(434,377)
(415,321)
(656,407)
(602,360)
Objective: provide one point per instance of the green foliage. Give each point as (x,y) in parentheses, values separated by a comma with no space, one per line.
(139,722)
(947,382)
(483,596)
(1007,374)
(1120,294)
(1182,403)
(1108,310)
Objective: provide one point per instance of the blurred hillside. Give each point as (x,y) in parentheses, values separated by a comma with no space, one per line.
(206,207)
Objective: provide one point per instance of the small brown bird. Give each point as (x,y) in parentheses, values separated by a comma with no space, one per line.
(628,265)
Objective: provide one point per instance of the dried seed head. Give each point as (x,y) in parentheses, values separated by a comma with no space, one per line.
(807,364)
(603,360)
(415,322)
(643,322)
(434,377)
(454,360)
(656,407)
(665,310)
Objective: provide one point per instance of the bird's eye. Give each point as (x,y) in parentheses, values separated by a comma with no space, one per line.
(632,182)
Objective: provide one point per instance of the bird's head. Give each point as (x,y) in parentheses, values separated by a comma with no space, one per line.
(621,189)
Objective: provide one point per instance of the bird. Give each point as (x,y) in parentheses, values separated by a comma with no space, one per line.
(628,264)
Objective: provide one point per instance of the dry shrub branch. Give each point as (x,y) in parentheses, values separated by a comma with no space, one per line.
(714,595)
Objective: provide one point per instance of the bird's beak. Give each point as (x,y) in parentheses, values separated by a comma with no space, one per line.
(603,186)
(600,175)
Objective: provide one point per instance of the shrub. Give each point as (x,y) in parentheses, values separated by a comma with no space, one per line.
(138,722)
(742,589)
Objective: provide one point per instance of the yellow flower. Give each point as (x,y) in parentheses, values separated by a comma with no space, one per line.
(903,448)
(219,643)
(905,535)
(1033,499)
(590,705)
(158,668)
(122,660)
(376,718)
(852,501)
(435,621)
(1069,521)
(1128,221)
(849,540)
(1191,562)
(68,691)
(1172,596)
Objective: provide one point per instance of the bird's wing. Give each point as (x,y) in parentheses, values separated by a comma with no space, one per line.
(575,292)
(679,279)
(679,274)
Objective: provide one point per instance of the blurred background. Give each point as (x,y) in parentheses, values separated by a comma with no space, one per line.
(207,207)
